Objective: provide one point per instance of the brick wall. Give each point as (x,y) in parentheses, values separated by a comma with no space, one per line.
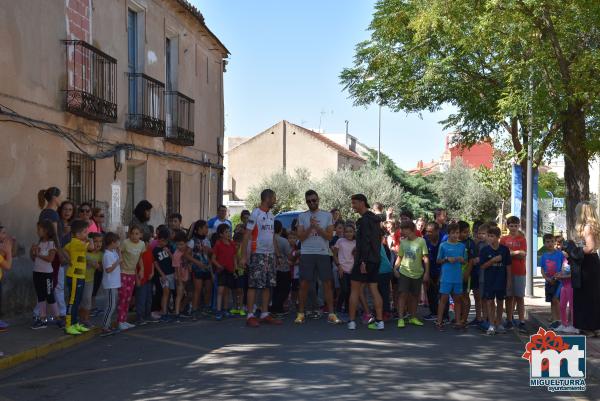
(79,26)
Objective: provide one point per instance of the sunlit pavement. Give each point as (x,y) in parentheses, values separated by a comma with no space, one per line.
(211,360)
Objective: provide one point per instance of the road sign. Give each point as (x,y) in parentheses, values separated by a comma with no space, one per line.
(558,203)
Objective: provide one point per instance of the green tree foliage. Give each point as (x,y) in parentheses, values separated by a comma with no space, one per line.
(514,66)
(551,182)
(498,179)
(288,188)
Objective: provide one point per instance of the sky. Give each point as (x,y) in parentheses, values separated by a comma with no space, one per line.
(286,58)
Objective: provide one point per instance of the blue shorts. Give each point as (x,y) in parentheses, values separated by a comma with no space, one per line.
(494,294)
(451,288)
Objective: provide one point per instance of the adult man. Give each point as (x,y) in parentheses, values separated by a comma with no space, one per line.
(366,261)
(378,211)
(315,230)
(220,218)
(260,232)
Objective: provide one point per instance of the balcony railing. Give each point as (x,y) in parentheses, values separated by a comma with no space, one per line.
(146,105)
(91,82)
(180,119)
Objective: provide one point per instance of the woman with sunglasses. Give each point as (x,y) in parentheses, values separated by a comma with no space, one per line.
(85,213)
(97,221)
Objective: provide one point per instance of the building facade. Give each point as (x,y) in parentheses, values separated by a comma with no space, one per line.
(112,101)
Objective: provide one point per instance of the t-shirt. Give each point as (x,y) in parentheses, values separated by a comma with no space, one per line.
(131,254)
(112,279)
(397,237)
(412,253)
(551,262)
(314,244)
(516,243)
(41,266)
(432,250)
(225,254)
(495,275)
(261,226)
(90,270)
(77,251)
(345,254)
(163,258)
(282,263)
(196,244)
(148,261)
(214,223)
(52,215)
(452,272)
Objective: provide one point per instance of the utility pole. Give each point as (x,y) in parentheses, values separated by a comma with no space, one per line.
(346,121)
(379,139)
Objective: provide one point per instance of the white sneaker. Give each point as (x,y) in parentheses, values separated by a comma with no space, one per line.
(352,325)
(130,325)
(572,330)
(561,329)
(123,326)
(490,331)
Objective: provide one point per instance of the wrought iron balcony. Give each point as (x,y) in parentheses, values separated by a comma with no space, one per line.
(146,105)
(180,119)
(91,90)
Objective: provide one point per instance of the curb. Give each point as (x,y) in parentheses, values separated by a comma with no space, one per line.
(42,350)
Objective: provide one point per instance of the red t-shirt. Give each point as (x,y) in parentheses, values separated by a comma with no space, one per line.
(398,235)
(225,254)
(148,260)
(517,243)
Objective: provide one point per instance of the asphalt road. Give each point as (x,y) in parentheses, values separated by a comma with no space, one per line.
(211,360)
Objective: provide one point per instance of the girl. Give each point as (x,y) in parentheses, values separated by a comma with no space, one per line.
(343,255)
(65,212)
(295,269)
(131,249)
(566,297)
(43,254)
(141,218)
(224,262)
(199,258)
(93,264)
(182,271)
(111,280)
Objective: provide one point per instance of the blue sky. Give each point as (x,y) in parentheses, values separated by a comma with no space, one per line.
(286,57)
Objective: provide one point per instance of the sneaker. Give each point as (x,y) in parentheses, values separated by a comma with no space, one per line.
(242,313)
(500,329)
(185,315)
(484,325)
(131,326)
(252,322)
(572,330)
(490,331)
(123,326)
(218,316)
(377,325)
(72,330)
(333,319)
(475,322)
(141,322)
(508,325)
(431,317)
(60,323)
(156,315)
(522,327)
(415,322)
(401,324)
(234,311)
(554,324)
(81,328)
(3,326)
(165,319)
(271,320)
(366,318)
(387,316)
(561,329)
(300,318)
(108,332)
(39,324)
(351,325)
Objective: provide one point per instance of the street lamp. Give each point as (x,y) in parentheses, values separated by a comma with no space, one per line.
(368,79)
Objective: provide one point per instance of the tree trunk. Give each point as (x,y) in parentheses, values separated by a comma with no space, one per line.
(577,174)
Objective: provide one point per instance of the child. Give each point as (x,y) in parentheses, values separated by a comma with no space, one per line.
(43,254)
(477,278)
(433,240)
(496,263)
(295,269)
(131,249)
(566,297)
(224,262)
(182,272)
(412,270)
(199,258)
(451,255)
(343,255)
(281,291)
(467,267)
(143,287)
(76,251)
(163,264)
(241,280)
(111,279)
(551,262)
(94,262)
(384,279)
(518,251)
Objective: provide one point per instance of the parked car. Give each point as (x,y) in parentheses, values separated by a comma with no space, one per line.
(287,218)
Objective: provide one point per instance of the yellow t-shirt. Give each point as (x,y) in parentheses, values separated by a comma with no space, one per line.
(90,269)
(77,251)
(131,255)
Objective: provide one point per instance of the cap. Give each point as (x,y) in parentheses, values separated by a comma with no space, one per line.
(361,197)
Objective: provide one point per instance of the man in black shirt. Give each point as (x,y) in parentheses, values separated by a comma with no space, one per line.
(366,261)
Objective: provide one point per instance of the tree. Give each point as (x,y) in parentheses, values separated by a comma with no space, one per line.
(288,188)
(551,182)
(526,68)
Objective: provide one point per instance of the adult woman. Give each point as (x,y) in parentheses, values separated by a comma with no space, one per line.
(586,298)
(141,217)
(97,221)
(66,211)
(85,213)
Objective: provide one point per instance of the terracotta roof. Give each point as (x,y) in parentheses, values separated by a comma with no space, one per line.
(198,15)
(332,144)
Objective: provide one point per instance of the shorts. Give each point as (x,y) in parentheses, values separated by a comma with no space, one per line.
(313,267)
(447,288)
(475,280)
(241,281)
(552,291)
(182,273)
(372,275)
(200,274)
(518,287)
(336,277)
(169,281)
(261,271)
(410,285)
(86,299)
(491,294)
(295,284)
(226,279)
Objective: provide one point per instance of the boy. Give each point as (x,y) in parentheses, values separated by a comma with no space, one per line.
(432,238)
(412,270)
(163,264)
(518,251)
(496,265)
(464,237)
(451,255)
(477,277)
(550,264)
(175,222)
(76,252)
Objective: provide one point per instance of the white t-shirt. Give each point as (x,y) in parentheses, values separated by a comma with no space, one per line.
(41,266)
(314,244)
(262,228)
(112,279)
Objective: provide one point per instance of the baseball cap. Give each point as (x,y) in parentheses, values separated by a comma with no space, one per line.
(360,197)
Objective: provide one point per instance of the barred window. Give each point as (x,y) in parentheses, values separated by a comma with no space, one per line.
(173,191)
(82,178)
